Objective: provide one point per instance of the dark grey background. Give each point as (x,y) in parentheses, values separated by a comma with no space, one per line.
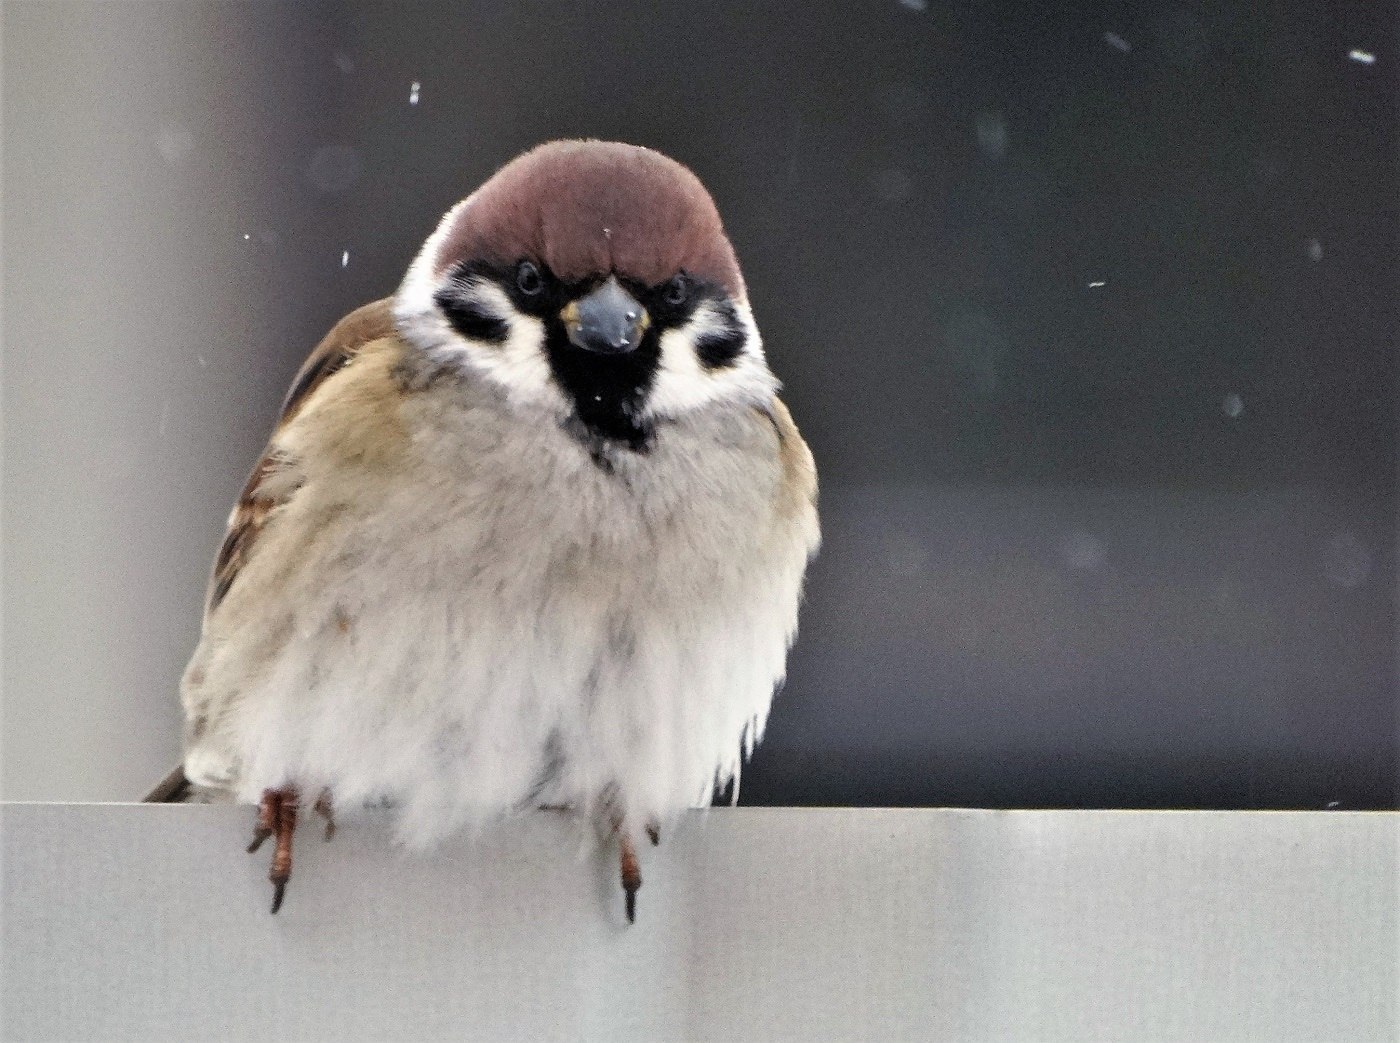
(1087,312)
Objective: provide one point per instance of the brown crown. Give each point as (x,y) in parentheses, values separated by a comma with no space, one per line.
(587,208)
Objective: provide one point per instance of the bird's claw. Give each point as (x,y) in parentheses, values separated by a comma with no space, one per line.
(323,808)
(277,815)
(631,876)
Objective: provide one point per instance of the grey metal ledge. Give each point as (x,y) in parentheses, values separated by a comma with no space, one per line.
(149,922)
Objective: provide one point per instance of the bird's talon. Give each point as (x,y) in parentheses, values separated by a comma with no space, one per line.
(323,808)
(631,876)
(277,814)
(269,808)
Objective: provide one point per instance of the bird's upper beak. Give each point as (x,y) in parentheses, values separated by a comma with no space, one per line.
(608,320)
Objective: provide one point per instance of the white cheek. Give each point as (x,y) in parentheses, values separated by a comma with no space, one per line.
(415,312)
(683,384)
(517,365)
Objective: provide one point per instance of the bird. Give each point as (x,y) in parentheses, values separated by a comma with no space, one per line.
(530,532)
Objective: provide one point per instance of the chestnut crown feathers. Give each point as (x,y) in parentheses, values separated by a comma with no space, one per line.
(586,208)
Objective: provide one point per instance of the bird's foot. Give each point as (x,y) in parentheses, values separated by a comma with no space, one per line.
(631,869)
(266,824)
(277,816)
(631,875)
(323,808)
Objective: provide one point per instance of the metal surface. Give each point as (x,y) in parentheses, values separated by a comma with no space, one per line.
(149,922)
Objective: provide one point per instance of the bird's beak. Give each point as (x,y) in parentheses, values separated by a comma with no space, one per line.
(609,320)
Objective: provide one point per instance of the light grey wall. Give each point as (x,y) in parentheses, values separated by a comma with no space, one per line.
(153,175)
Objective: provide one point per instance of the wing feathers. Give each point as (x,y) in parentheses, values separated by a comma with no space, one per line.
(337,349)
(262,494)
(799,470)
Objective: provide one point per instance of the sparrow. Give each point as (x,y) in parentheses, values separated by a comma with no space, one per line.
(529,533)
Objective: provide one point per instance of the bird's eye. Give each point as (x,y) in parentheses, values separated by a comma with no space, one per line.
(528,279)
(677,291)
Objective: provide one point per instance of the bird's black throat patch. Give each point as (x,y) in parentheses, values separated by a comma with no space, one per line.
(607,391)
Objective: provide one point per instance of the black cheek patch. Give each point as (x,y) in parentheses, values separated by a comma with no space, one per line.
(471,319)
(719,348)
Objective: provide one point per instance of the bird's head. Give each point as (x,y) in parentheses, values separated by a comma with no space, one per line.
(593,278)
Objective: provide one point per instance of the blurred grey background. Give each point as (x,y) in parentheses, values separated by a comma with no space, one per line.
(1088,312)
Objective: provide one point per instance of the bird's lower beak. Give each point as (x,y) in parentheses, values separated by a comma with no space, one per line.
(609,320)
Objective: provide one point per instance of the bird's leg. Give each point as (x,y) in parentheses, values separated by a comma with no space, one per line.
(323,808)
(277,815)
(631,868)
(654,832)
(281,870)
(631,875)
(267,818)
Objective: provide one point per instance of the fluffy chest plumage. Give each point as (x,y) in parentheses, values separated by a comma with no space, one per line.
(486,616)
(513,502)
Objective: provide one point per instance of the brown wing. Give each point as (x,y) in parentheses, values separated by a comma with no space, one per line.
(799,488)
(262,493)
